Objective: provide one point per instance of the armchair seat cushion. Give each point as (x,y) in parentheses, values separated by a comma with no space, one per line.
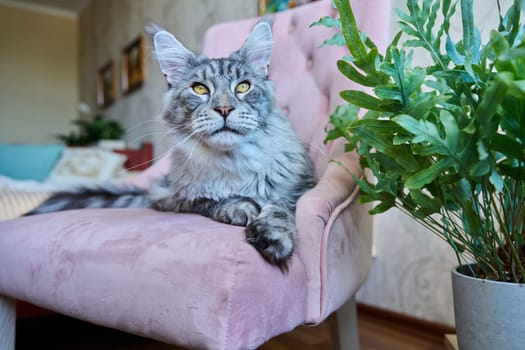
(179,278)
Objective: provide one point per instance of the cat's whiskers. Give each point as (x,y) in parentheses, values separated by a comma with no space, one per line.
(183,140)
(190,154)
(144,122)
(170,150)
(142,137)
(153,160)
(305,141)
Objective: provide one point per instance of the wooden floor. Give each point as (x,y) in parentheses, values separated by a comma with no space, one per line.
(377,331)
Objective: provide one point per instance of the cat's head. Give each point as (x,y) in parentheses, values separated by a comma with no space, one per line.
(218,101)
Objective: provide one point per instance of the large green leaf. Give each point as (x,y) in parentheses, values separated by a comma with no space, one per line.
(353,74)
(362,99)
(384,145)
(481,168)
(383,207)
(381,126)
(429,174)
(497,43)
(428,133)
(492,98)
(508,146)
(453,53)
(343,116)
(469,37)
(327,21)
(471,218)
(427,204)
(351,32)
(517,89)
(451,130)
(388,92)
(337,39)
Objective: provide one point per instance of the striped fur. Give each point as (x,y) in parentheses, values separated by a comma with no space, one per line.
(106,196)
(236,158)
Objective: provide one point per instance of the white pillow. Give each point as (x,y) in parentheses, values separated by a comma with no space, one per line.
(86,165)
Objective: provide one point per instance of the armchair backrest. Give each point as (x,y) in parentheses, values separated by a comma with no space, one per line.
(306,78)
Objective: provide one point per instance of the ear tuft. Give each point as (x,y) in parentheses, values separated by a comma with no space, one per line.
(258,47)
(151,29)
(173,57)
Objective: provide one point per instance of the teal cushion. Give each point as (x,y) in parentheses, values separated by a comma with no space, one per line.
(28,161)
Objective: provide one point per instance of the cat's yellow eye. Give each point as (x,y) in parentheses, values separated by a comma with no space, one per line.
(200,89)
(242,87)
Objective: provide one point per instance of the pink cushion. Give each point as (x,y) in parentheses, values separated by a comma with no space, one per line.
(180,278)
(187,280)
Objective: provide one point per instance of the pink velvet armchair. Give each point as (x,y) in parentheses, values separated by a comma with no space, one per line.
(186,280)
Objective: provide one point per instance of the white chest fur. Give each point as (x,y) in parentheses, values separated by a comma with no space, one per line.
(265,166)
(199,171)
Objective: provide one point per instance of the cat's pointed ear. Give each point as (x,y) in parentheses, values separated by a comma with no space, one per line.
(173,57)
(258,47)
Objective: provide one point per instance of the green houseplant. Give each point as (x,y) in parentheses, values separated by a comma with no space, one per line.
(445,143)
(92,129)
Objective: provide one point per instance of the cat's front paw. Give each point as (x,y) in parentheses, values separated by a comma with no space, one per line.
(164,204)
(238,211)
(272,234)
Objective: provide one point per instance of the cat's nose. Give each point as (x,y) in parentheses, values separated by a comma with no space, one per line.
(224,110)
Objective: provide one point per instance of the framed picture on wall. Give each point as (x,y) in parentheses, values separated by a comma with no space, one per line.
(106,85)
(132,66)
(271,6)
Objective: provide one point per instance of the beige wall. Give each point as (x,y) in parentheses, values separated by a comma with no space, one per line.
(38,75)
(107,26)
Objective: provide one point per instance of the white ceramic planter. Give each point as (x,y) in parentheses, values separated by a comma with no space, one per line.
(489,315)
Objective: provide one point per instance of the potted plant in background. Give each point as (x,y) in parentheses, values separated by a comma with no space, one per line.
(445,144)
(95,130)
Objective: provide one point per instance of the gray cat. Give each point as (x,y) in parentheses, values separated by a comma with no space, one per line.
(236,158)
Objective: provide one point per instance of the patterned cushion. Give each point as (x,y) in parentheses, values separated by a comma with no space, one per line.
(86,164)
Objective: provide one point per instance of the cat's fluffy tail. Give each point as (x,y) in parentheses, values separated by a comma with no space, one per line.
(104,196)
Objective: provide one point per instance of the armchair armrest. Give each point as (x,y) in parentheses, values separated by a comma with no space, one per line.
(335,230)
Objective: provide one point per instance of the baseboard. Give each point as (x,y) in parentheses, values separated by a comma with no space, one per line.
(433,331)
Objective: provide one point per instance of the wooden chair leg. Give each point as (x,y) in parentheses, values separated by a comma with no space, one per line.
(344,327)
(7,323)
